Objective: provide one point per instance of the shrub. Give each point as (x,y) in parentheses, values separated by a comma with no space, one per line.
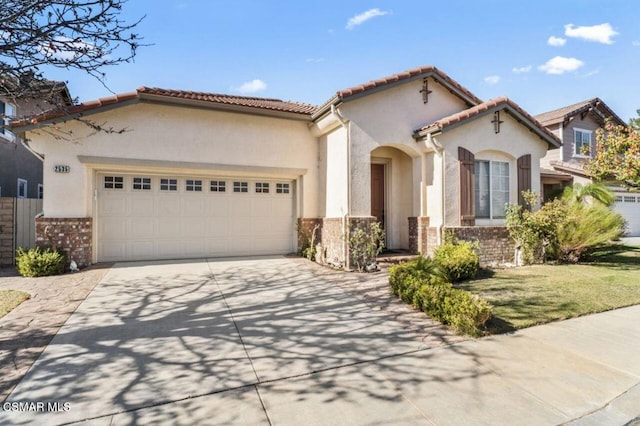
(458,259)
(422,284)
(39,263)
(564,229)
(365,244)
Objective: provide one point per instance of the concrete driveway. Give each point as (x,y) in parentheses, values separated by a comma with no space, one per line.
(281,341)
(156,333)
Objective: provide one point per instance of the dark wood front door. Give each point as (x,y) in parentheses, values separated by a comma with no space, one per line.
(377,192)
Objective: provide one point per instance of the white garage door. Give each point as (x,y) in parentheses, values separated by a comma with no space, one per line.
(144,217)
(629,207)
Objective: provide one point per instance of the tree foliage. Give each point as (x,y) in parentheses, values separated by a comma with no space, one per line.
(86,35)
(617,156)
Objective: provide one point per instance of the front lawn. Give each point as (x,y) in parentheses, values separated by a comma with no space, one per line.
(9,299)
(536,294)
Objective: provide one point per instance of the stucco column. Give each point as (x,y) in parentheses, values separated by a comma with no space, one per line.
(423,185)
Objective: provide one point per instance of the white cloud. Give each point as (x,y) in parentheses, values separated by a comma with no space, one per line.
(492,79)
(556,41)
(602,33)
(559,65)
(252,86)
(521,70)
(364,17)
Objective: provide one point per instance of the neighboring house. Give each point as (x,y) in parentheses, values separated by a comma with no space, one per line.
(576,127)
(20,169)
(200,174)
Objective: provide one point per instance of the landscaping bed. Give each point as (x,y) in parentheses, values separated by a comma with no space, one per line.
(10,299)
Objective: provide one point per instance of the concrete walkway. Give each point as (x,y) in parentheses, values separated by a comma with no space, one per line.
(281,341)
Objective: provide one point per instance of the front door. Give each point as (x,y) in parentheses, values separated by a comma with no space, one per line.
(377,192)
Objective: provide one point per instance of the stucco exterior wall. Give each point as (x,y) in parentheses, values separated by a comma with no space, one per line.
(177,134)
(478,136)
(334,161)
(388,118)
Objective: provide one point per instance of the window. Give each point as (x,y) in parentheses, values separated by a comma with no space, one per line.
(40,191)
(113,182)
(582,145)
(218,186)
(240,187)
(618,198)
(194,185)
(628,199)
(282,188)
(167,184)
(143,183)
(22,188)
(7,111)
(262,187)
(492,189)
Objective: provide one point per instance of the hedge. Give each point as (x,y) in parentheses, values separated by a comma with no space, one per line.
(429,292)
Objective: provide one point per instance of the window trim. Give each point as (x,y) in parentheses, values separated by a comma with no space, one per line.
(171,184)
(240,186)
(113,183)
(144,183)
(194,186)
(26,188)
(491,217)
(217,185)
(575,145)
(262,187)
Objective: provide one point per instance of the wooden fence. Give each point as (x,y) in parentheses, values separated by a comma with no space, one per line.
(17,226)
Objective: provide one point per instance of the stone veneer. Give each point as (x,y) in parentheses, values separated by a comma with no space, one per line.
(495,243)
(72,235)
(418,235)
(331,247)
(7,226)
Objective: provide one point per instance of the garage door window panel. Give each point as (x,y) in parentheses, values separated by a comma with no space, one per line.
(262,188)
(193,185)
(240,187)
(218,186)
(142,183)
(114,182)
(167,184)
(282,188)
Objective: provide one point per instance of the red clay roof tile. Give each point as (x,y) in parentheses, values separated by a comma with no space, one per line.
(561,114)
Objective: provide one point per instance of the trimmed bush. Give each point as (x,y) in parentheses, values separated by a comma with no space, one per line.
(458,259)
(39,263)
(422,284)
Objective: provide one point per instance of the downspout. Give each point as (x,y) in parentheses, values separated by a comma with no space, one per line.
(345,226)
(432,143)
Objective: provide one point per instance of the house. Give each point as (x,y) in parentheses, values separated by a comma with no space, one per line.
(20,169)
(184,174)
(576,125)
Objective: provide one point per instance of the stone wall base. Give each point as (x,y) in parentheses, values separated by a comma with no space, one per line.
(418,235)
(74,236)
(495,244)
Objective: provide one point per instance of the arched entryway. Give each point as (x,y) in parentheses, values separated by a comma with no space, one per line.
(392,193)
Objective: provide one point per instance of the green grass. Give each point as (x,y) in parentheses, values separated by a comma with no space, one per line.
(537,294)
(9,299)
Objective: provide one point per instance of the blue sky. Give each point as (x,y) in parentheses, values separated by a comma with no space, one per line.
(542,54)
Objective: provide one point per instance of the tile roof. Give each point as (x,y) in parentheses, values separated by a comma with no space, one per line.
(265,104)
(246,101)
(415,72)
(486,107)
(561,114)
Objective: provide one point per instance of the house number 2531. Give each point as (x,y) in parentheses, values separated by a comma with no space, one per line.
(61,169)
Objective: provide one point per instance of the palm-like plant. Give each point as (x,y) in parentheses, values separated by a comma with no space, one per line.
(585,193)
